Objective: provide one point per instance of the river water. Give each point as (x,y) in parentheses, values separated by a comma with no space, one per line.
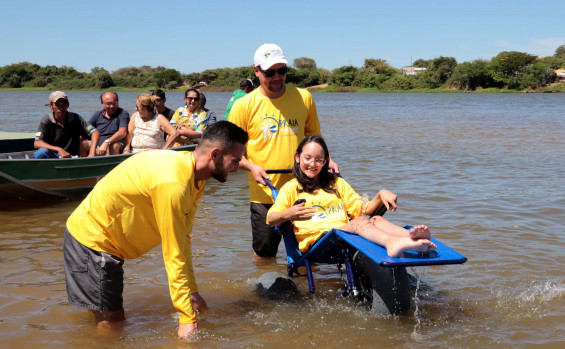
(484,171)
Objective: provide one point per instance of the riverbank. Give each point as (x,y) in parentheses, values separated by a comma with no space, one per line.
(553,88)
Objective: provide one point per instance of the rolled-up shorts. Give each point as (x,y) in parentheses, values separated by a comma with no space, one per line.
(95,280)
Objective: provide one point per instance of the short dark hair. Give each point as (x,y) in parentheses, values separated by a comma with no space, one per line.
(192,89)
(103,93)
(202,99)
(246,83)
(225,133)
(159,93)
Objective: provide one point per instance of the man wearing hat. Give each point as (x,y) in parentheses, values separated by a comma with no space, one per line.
(277,117)
(59,132)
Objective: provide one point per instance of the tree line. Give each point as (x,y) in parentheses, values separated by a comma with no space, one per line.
(507,70)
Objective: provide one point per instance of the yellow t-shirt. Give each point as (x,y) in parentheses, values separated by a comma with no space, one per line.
(331,211)
(275,128)
(139,205)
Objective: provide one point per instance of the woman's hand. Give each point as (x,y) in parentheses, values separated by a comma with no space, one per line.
(388,198)
(300,212)
(297,212)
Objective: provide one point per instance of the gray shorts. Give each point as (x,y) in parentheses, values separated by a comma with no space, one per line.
(95,280)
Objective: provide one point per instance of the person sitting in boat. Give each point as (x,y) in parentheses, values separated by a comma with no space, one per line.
(112,123)
(190,120)
(245,86)
(159,98)
(59,133)
(146,129)
(212,119)
(330,202)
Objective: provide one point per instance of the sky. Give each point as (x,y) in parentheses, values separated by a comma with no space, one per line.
(192,36)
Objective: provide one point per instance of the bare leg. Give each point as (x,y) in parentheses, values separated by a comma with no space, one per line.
(394,244)
(418,232)
(84,148)
(115,148)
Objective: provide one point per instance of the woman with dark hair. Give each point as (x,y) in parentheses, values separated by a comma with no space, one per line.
(190,120)
(329,202)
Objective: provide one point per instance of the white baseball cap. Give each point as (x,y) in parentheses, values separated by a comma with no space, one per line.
(55,96)
(268,55)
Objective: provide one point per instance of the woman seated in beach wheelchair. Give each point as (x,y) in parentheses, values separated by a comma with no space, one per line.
(326,201)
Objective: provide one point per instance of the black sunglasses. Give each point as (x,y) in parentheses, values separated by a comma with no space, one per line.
(271,72)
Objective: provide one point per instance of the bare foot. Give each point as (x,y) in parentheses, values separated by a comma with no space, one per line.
(260,258)
(108,329)
(397,245)
(420,232)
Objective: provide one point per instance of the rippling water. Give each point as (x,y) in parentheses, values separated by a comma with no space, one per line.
(485,172)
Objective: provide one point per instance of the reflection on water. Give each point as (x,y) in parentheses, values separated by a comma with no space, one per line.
(485,172)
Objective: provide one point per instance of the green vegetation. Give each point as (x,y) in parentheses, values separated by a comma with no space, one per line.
(509,71)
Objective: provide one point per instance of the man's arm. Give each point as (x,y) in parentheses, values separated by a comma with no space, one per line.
(89,132)
(42,144)
(116,137)
(257,171)
(174,210)
(94,137)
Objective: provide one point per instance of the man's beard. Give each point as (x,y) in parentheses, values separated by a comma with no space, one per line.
(219,172)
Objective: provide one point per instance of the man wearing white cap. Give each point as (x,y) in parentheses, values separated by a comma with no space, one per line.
(58,135)
(277,117)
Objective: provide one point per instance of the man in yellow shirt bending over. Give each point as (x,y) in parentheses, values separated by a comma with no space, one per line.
(148,199)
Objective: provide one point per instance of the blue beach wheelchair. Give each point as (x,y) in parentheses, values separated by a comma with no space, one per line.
(372,277)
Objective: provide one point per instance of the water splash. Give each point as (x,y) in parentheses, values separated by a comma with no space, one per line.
(417,326)
(532,301)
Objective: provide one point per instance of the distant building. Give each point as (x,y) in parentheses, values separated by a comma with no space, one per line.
(560,74)
(412,70)
(199,85)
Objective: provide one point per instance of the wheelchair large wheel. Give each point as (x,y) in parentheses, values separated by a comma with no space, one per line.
(385,290)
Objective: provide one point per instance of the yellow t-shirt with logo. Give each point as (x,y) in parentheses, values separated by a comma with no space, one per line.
(138,206)
(275,128)
(331,211)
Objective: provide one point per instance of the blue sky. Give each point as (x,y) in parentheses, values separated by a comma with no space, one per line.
(192,36)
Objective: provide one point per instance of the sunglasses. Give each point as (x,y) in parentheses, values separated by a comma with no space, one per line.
(192,99)
(271,72)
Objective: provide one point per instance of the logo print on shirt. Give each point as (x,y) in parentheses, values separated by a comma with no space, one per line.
(270,126)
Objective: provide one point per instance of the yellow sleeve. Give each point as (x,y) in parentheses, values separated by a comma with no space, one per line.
(174,212)
(239,113)
(312,126)
(287,196)
(176,116)
(353,204)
